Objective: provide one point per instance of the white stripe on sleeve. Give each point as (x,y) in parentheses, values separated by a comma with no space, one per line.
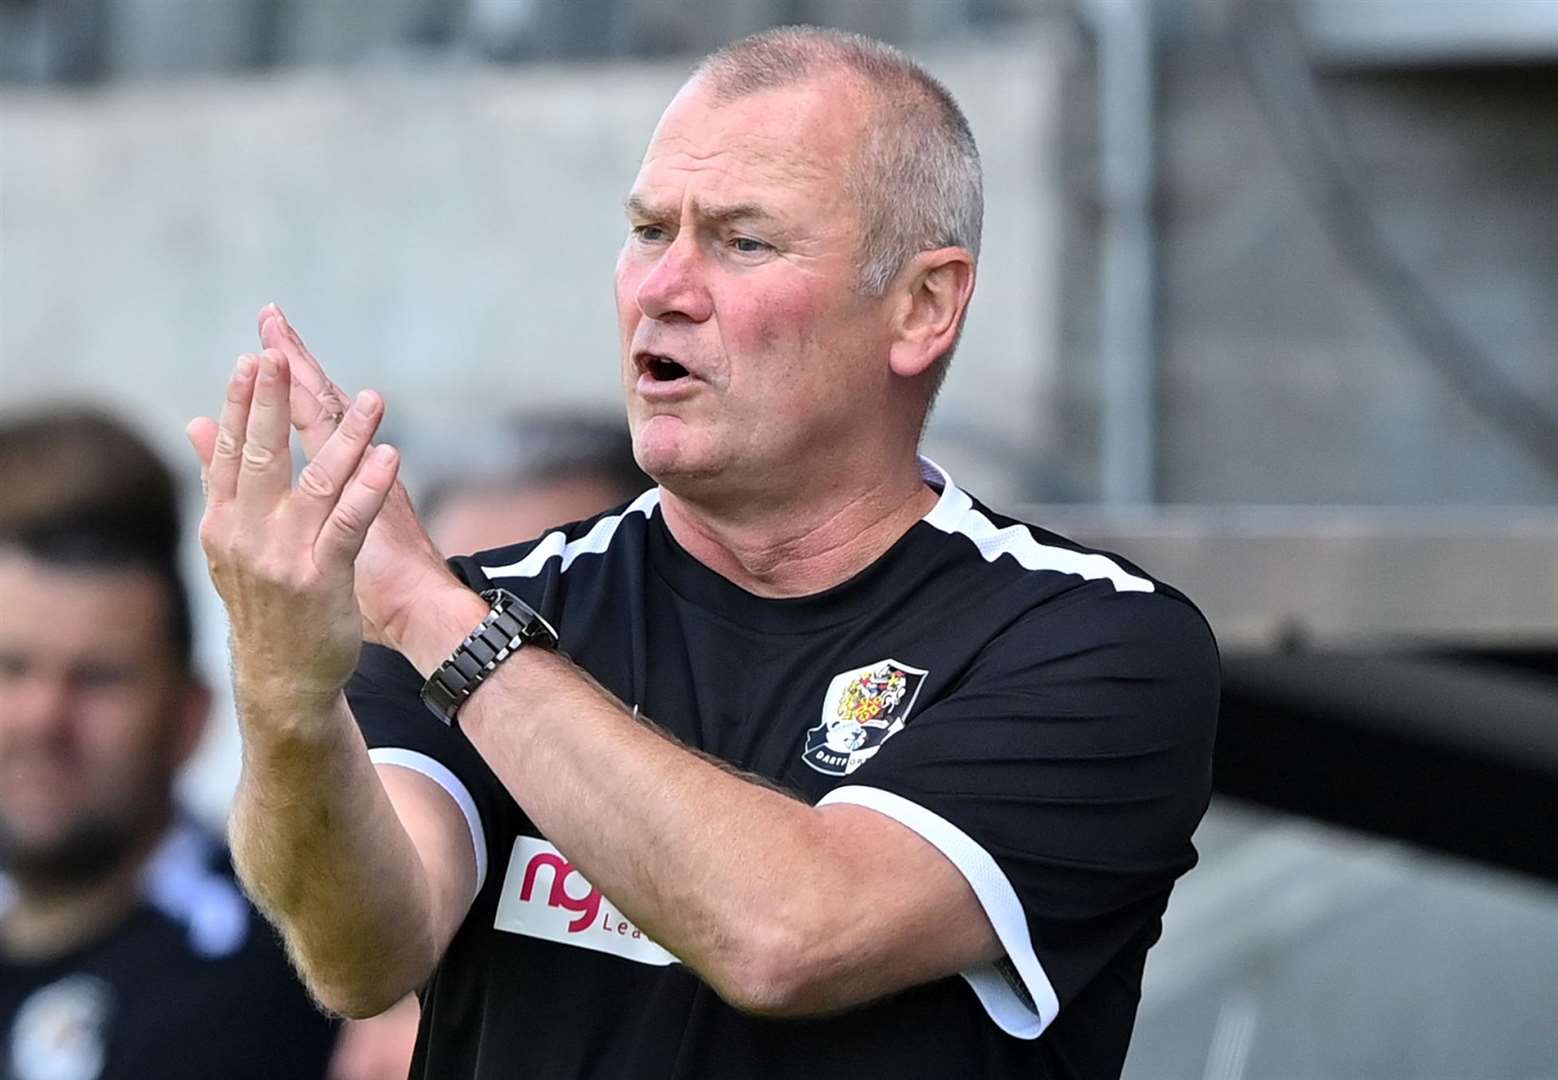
(1002,1002)
(440,774)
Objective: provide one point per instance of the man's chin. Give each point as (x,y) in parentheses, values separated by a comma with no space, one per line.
(667,450)
(84,854)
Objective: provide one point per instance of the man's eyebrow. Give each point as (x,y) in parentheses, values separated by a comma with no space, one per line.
(640,209)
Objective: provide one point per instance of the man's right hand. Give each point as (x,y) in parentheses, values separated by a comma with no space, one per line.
(282,556)
(399,565)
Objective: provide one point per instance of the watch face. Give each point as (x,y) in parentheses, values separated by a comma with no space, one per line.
(534,629)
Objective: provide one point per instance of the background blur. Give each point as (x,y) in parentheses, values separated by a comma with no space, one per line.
(1268,303)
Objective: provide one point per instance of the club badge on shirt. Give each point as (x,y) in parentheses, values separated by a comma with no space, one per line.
(861,710)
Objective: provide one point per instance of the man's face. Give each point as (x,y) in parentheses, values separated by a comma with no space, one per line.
(747,348)
(95,715)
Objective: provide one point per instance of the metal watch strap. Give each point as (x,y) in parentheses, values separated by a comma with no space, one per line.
(510,624)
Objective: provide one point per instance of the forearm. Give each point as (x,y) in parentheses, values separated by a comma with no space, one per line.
(320,848)
(728,874)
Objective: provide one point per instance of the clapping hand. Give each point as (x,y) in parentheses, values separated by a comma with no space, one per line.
(282,555)
(399,567)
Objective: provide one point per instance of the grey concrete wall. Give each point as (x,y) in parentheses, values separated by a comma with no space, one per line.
(445,234)
(1285,379)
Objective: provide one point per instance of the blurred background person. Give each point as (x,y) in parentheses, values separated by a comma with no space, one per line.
(526,474)
(507,482)
(127,950)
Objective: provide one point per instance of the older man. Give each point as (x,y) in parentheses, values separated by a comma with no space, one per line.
(835,773)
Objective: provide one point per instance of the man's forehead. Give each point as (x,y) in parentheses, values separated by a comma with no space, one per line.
(127,599)
(798,125)
(737,172)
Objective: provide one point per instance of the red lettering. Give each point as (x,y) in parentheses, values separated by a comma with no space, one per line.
(560,870)
(585,906)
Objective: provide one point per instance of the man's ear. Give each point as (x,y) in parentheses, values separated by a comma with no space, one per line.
(931,294)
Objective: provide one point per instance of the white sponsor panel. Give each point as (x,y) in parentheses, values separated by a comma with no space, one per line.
(545,897)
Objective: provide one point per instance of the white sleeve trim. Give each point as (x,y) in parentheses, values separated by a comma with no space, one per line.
(439,773)
(1002,1002)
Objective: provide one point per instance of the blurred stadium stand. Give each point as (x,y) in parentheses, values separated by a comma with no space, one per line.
(1267,305)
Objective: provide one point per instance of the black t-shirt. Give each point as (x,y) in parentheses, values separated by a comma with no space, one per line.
(1042,714)
(191,985)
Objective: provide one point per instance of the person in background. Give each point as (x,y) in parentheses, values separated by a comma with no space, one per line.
(127,949)
(530,473)
(527,474)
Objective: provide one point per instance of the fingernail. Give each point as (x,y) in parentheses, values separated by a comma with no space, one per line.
(269,369)
(362,404)
(245,366)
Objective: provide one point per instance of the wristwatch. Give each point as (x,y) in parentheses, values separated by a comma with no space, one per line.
(510,624)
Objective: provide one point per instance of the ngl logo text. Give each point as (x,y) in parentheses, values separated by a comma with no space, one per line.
(545,897)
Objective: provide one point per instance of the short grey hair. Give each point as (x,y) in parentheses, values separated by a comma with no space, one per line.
(916,178)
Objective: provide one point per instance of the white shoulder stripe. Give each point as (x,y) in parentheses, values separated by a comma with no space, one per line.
(556,545)
(954,513)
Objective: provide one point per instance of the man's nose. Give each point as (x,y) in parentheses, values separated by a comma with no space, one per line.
(677,283)
(37,707)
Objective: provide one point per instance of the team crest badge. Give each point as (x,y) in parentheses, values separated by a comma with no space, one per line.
(862,709)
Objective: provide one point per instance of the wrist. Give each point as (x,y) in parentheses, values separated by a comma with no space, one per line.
(278,714)
(526,676)
(439,625)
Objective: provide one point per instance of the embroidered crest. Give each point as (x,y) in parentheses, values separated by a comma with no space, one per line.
(862,709)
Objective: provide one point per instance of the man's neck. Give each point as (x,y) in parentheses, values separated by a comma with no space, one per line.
(790,549)
(43,922)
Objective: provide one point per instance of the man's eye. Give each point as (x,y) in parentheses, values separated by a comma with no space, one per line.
(100,676)
(748,246)
(650,233)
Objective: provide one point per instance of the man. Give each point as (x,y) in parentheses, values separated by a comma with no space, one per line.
(823,734)
(126,947)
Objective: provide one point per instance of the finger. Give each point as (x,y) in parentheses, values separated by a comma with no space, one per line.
(266,473)
(317,402)
(227,443)
(329,472)
(312,370)
(268,312)
(201,433)
(347,526)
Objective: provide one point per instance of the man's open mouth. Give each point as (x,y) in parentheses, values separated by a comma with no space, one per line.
(663,369)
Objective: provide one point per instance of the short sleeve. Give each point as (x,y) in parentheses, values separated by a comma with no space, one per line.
(385,697)
(1063,775)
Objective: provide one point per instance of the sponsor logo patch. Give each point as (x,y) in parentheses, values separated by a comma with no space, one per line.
(545,897)
(862,709)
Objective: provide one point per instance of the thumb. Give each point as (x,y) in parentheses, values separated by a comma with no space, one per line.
(201,433)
